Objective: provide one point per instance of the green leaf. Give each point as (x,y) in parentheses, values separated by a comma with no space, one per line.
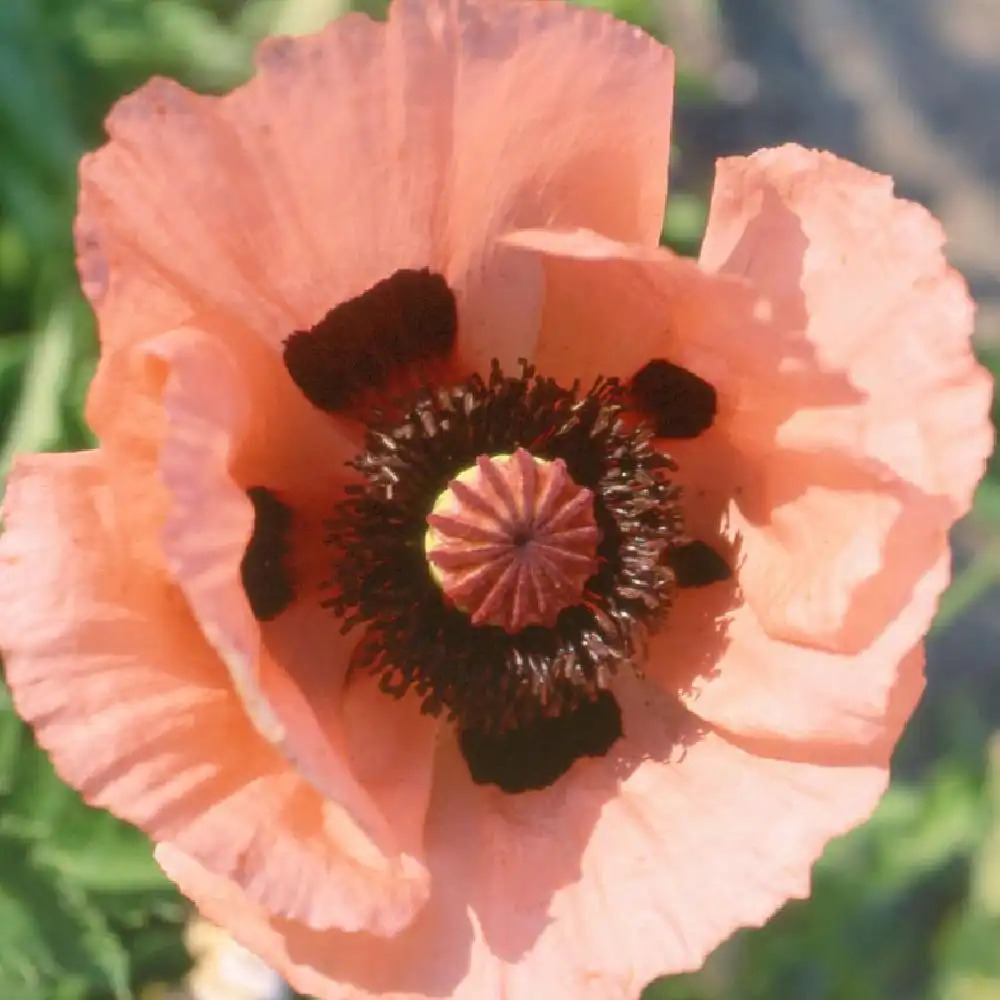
(93,849)
(987,506)
(37,422)
(637,12)
(34,114)
(970,585)
(54,944)
(11,729)
(289,17)
(221,56)
(38,801)
(103,854)
(685,222)
(14,260)
(969,960)
(101,867)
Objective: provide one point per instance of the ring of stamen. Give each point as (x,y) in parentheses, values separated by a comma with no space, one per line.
(486,676)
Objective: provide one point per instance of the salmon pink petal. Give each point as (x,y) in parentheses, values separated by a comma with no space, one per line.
(109,667)
(803,226)
(373,147)
(199,424)
(664,847)
(208,412)
(290,672)
(277,438)
(860,275)
(633,866)
(329,716)
(832,537)
(788,698)
(611,308)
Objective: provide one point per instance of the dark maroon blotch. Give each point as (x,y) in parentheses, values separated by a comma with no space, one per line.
(410,316)
(536,755)
(674,401)
(264,569)
(697,564)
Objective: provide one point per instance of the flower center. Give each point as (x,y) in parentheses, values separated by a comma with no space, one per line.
(507,551)
(495,651)
(512,541)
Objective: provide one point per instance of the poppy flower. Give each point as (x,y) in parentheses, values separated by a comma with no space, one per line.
(468,596)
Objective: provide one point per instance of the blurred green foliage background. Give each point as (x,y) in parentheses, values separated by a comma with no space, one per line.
(907,907)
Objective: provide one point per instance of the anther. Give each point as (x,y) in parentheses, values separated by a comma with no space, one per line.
(674,401)
(697,564)
(263,571)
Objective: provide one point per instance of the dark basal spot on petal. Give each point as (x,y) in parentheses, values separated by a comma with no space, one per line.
(674,401)
(408,317)
(264,571)
(696,564)
(536,755)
